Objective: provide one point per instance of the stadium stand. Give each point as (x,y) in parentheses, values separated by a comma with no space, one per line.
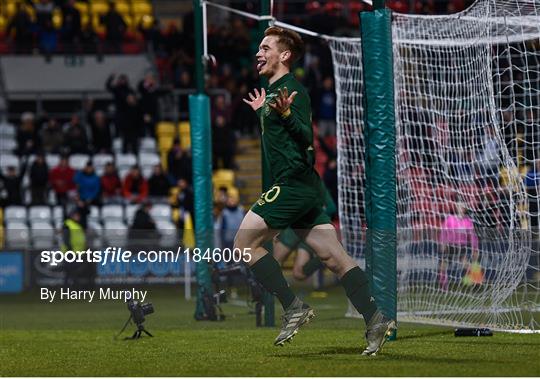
(49,86)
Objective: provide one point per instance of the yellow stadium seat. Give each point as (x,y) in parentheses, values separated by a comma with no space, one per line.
(57,18)
(123,8)
(223,178)
(3,23)
(128,20)
(97,25)
(166,128)
(165,143)
(85,19)
(10,8)
(164,162)
(98,7)
(183,127)
(142,7)
(82,7)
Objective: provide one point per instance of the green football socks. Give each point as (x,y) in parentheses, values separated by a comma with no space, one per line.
(268,272)
(356,285)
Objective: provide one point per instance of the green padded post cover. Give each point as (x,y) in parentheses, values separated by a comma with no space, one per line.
(380,137)
(201,148)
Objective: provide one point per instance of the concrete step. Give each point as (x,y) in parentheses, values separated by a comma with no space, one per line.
(248,164)
(249,143)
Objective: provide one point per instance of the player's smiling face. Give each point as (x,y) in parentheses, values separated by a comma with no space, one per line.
(269,56)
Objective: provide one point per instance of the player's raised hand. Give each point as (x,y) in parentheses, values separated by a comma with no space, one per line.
(283,101)
(256,99)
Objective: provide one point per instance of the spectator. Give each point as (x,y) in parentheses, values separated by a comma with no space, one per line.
(127,117)
(39,180)
(12,185)
(88,184)
(182,197)
(115,27)
(111,186)
(158,185)
(149,91)
(77,274)
(143,231)
(135,187)
(52,138)
(459,241)
(131,125)
(71,26)
(179,163)
(231,216)
(61,180)
(75,136)
(44,11)
(21,26)
(27,137)
(223,144)
(48,39)
(101,133)
(327,109)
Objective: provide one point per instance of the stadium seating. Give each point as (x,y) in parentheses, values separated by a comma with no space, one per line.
(57,216)
(7,145)
(148,159)
(78,161)
(52,160)
(112,213)
(94,215)
(148,145)
(168,233)
(9,160)
(16,234)
(42,234)
(117,144)
(130,212)
(100,160)
(125,161)
(7,130)
(15,213)
(161,212)
(39,213)
(223,178)
(115,233)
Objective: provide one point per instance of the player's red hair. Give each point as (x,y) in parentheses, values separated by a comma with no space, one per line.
(287,40)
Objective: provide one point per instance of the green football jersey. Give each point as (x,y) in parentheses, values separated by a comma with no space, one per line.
(288,142)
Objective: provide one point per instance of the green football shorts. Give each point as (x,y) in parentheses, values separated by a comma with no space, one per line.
(298,204)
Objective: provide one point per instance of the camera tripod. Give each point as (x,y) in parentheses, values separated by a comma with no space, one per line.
(138,333)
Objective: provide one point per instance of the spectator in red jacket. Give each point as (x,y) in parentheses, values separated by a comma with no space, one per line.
(135,187)
(61,180)
(111,186)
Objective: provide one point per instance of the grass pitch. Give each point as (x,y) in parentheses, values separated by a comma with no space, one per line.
(76,339)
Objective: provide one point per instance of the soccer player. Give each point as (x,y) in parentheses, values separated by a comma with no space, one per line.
(296,198)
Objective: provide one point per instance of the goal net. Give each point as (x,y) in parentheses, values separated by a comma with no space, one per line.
(467,105)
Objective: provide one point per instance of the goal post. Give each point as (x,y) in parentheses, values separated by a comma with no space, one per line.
(380,168)
(467,108)
(201,147)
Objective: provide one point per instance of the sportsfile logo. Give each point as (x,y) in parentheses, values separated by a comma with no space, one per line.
(118,255)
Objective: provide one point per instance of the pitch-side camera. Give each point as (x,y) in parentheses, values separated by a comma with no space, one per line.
(138,311)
